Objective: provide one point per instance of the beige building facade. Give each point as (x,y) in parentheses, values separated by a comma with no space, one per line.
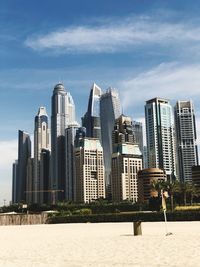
(124,174)
(90,172)
(126,161)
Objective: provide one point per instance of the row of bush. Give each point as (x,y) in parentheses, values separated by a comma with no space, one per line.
(96,207)
(127,217)
(106,208)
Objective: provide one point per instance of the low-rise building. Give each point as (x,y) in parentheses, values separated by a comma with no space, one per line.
(145,179)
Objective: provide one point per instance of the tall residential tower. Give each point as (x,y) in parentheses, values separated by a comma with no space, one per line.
(160,136)
(24,157)
(126,161)
(63,114)
(70,133)
(110,110)
(90,178)
(186,139)
(41,141)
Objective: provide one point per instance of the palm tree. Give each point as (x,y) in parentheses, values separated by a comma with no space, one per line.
(185,190)
(172,188)
(157,186)
(192,191)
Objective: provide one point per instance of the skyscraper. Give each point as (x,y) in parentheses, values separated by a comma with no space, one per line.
(160,136)
(144,156)
(126,161)
(91,119)
(90,179)
(63,113)
(14,181)
(186,144)
(45,174)
(41,141)
(24,155)
(70,134)
(110,110)
(138,134)
(29,181)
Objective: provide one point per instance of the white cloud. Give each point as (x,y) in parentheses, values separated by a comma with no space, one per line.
(172,81)
(8,153)
(116,36)
(7,157)
(197,119)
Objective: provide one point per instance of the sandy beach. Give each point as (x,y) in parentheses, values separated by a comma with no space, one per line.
(106,244)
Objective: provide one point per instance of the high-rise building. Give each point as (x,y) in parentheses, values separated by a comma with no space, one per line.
(63,114)
(45,196)
(126,161)
(70,134)
(41,141)
(91,119)
(138,134)
(24,155)
(186,139)
(110,110)
(14,181)
(145,162)
(196,177)
(90,178)
(80,135)
(30,181)
(160,136)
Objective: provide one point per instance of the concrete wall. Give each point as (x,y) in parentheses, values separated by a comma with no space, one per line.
(22,219)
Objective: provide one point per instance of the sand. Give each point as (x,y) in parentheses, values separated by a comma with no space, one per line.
(105,244)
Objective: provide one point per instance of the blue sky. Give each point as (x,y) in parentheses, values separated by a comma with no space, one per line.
(143,48)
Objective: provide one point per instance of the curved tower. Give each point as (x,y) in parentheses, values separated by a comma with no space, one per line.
(91,119)
(63,114)
(110,110)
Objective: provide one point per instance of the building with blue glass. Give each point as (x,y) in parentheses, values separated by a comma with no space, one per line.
(63,114)
(160,136)
(91,120)
(110,110)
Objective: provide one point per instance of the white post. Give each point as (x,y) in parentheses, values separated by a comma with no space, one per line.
(165,216)
(164,206)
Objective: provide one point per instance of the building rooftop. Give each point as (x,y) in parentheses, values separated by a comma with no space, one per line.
(158,99)
(59,88)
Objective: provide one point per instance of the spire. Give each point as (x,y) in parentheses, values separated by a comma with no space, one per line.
(42,111)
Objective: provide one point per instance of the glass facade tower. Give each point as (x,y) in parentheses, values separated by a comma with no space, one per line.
(186,139)
(160,136)
(63,114)
(24,155)
(110,110)
(91,119)
(70,134)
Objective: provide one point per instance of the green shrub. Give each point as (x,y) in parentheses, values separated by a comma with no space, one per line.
(187,208)
(84,211)
(128,217)
(76,212)
(117,211)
